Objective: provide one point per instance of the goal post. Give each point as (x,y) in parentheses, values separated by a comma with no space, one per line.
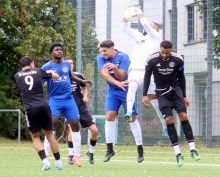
(19,120)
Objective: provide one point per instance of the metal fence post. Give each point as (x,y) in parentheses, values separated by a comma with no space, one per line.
(209,73)
(79,37)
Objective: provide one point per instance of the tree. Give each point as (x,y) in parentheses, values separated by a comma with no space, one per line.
(216,28)
(28,27)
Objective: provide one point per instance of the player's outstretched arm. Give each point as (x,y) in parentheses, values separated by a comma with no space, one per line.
(77,79)
(55,76)
(126,28)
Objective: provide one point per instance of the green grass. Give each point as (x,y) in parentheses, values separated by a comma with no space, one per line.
(21,160)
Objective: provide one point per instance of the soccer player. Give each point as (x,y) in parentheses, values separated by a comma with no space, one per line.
(60,97)
(113,66)
(168,70)
(80,93)
(37,110)
(145,44)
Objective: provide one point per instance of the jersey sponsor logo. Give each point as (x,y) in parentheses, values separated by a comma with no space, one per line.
(64,69)
(171,64)
(27,73)
(165,71)
(158,64)
(142,41)
(61,79)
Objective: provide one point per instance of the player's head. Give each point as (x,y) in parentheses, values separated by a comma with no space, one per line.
(70,60)
(56,50)
(107,48)
(27,61)
(166,49)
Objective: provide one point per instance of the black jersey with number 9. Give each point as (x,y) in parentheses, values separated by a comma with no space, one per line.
(30,84)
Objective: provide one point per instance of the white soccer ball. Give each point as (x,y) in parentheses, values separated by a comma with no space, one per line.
(130,14)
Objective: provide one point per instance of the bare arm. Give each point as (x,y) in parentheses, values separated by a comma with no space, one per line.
(55,76)
(133,34)
(119,73)
(109,78)
(85,94)
(77,79)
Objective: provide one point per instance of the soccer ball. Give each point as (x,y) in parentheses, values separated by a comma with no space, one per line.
(130,14)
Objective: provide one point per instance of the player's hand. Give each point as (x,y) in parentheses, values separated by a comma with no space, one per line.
(87,82)
(122,84)
(109,66)
(187,102)
(145,101)
(85,100)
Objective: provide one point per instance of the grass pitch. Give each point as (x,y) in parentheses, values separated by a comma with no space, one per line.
(21,160)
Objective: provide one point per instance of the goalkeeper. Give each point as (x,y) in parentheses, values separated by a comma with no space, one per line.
(146,43)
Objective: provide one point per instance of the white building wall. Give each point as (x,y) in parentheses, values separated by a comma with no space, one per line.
(194,59)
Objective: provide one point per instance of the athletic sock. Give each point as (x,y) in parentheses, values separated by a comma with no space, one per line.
(187,130)
(132,89)
(70,148)
(42,154)
(136,130)
(47,144)
(92,145)
(172,134)
(155,104)
(177,149)
(76,139)
(56,155)
(109,131)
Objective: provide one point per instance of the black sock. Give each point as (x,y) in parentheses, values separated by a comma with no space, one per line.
(70,144)
(93,142)
(187,130)
(42,154)
(140,148)
(172,134)
(109,146)
(56,156)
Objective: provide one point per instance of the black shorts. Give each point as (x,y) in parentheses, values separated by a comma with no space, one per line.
(171,97)
(86,119)
(37,118)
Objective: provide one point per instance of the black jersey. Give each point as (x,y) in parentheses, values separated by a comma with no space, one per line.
(77,92)
(29,82)
(167,73)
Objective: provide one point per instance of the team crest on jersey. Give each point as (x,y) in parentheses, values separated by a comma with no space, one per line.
(64,69)
(171,64)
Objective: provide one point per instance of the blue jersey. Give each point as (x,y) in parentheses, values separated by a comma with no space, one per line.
(121,60)
(59,89)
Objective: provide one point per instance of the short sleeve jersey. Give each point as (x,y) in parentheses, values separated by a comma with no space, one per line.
(77,92)
(59,89)
(121,60)
(165,71)
(30,85)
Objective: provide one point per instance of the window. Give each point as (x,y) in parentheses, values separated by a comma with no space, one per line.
(191,23)
(86,5)
(89,5)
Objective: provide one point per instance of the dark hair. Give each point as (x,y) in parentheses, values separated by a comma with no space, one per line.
(54,44)
(26,61)
(69,58)
(166,44)
(107,43)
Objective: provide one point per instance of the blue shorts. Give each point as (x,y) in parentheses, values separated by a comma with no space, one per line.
(68,108)
(116,98)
